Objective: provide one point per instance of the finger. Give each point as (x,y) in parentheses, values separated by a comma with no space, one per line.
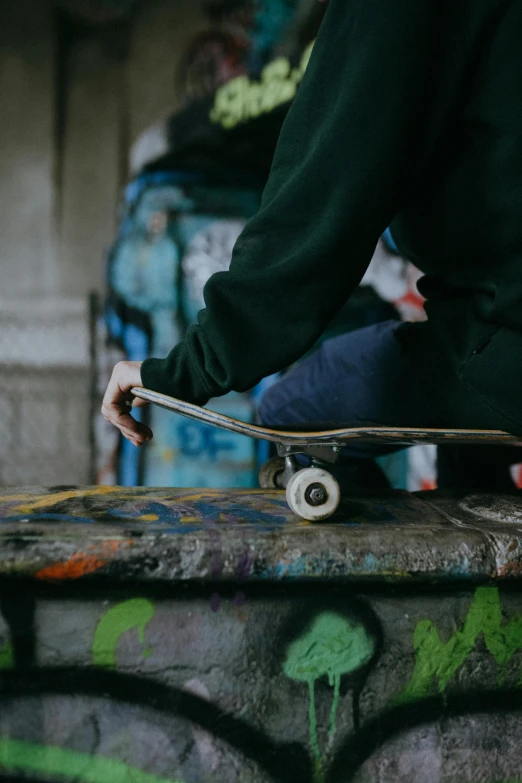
(112,392)
(137,402)
(137,440)
(118,415)
(139,435)
(115,415)
(143,437)
(134,441)
(115,396)
(132,435)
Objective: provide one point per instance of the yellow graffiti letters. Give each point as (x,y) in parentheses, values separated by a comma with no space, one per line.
(242,99)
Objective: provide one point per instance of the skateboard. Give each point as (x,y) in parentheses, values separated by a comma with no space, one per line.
(312,492)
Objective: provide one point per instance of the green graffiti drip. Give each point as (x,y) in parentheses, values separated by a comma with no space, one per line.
(436,662)
(6,656)
(336,682)
(313,721)
(135,613)
(332,646)
(70,764)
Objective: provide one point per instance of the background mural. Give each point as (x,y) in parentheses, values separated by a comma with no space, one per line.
(178,229)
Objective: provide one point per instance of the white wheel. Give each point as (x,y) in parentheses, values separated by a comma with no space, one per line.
(313,494)
(271,472)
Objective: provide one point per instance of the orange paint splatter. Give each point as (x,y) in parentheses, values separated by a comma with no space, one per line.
(82,563)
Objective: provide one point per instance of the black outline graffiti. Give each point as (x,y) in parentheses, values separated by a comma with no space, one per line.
(19,612)
(283,762)
(359,747)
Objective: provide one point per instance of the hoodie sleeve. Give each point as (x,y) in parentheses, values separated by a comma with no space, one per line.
(350,143)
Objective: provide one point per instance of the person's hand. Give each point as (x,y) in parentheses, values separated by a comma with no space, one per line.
(118,401)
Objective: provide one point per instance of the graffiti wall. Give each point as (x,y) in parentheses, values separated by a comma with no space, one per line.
(180,636)
(254,686)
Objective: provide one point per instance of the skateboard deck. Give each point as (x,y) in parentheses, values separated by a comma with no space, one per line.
(312,492)
(407,436)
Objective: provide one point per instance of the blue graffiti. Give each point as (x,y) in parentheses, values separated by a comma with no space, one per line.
(197,440)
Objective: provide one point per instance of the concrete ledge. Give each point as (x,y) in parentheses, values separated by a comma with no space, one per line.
(122,534)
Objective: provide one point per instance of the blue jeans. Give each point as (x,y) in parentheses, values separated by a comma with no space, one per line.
(365,377)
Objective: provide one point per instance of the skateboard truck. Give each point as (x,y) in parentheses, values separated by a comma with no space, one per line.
(311,492)
(323,452)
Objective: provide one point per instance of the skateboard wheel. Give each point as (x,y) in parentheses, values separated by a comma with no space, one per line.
(271,473)
(313,494)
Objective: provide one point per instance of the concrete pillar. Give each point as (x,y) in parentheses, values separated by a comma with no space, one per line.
(27,253)
(91,161)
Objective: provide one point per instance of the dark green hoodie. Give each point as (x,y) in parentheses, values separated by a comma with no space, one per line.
(410,113)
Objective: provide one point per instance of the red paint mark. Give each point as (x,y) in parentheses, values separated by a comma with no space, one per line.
(414,299)
(82,563)
(510,569)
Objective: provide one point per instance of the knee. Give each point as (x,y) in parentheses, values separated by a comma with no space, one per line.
(279,405)
(271,407)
